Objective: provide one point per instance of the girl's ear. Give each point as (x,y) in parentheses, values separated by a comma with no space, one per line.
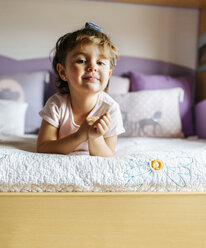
(61,72)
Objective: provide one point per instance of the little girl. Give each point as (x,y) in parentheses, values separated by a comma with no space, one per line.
(81,116)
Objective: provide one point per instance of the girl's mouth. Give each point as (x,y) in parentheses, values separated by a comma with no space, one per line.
(90,78)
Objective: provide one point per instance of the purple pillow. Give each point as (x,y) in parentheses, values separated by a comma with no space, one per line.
(153,82)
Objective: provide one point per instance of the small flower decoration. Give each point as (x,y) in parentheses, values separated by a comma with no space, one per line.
(149,174)
(156,164)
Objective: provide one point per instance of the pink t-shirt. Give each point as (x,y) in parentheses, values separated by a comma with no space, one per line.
(58,112)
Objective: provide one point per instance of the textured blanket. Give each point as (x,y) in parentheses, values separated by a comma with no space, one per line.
(140,164)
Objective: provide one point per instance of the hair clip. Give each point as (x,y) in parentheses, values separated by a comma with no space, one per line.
(93,26)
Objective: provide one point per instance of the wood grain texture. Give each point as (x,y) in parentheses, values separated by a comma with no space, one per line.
(175,3)
(202,23)
(103,220)
(201,86)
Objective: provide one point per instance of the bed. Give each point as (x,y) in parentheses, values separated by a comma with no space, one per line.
(151,194)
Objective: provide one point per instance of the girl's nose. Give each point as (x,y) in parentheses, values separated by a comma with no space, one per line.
(91,68)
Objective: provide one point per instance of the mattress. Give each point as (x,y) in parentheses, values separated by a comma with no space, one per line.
(140,165)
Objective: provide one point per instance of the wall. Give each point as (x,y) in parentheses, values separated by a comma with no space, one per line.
(29,29)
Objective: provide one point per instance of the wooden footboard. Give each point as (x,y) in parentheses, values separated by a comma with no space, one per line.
(97,220)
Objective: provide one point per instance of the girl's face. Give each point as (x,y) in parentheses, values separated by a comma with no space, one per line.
(86,69)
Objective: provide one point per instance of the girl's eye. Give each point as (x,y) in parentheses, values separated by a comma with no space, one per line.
(80,61)
(100,63)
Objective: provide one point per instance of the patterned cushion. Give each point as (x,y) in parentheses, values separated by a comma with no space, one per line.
(157,82)
(152,113)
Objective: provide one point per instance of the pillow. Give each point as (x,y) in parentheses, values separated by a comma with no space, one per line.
(12,117)
(25,87)
(151,113)
(151,82)
(118,85)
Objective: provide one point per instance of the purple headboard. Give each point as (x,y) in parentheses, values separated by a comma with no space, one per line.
(9,65)
(149,66)
(124,65)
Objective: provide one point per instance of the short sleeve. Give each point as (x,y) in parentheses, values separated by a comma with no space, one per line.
(52,110)
(117,123)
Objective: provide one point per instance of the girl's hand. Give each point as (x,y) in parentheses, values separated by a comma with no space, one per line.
(91,120)
(101,126)
(84,128)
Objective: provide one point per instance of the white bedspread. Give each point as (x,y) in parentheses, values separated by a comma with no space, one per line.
(183,160)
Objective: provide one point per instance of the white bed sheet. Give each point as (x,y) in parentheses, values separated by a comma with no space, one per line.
(184,167)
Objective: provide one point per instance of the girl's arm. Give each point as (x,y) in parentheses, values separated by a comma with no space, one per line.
(98,145)
(104,147)
(48,141)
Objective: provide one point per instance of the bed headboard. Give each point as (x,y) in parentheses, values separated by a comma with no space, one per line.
(124,65)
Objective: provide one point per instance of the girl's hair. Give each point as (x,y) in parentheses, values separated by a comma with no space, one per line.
(82,37)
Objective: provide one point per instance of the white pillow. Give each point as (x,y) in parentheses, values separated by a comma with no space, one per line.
(12,117)
(118,85)
(151,113)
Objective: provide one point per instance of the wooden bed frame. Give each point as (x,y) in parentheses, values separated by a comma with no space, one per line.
(106,220)
(99,220)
